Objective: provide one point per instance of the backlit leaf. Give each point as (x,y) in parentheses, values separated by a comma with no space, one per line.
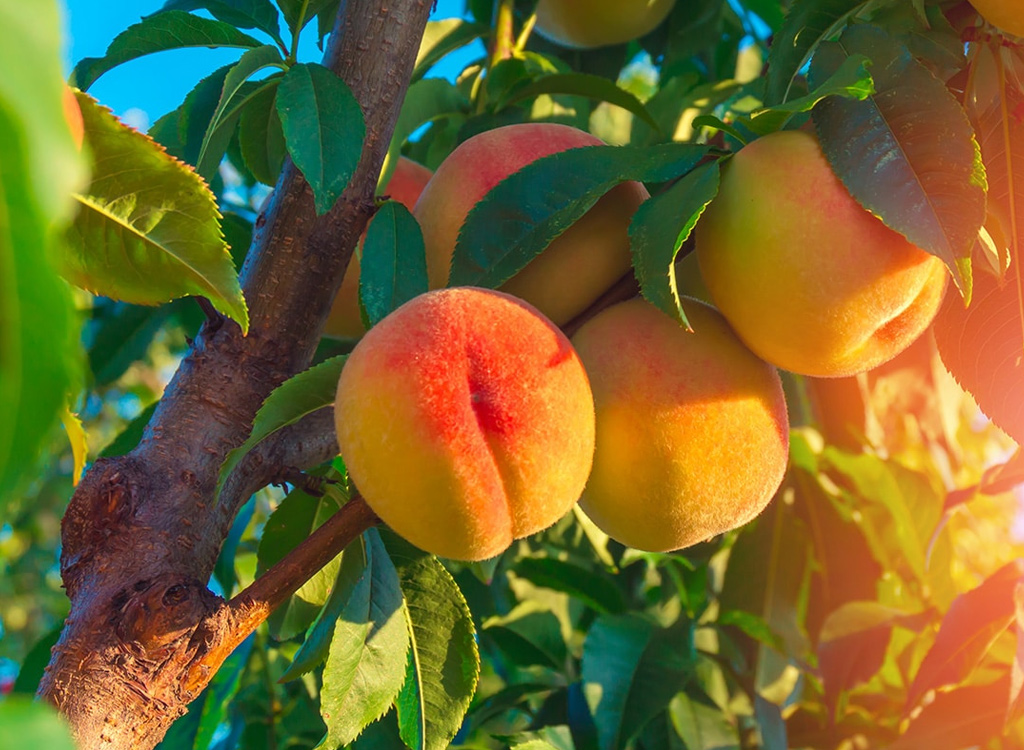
(444,36)
(79,442)
(968,717)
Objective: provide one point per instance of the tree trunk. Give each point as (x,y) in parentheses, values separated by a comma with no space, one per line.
(142,532)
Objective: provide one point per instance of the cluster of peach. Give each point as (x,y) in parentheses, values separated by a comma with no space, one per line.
(467,419)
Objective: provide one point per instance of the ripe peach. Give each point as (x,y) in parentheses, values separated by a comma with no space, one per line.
(465,419)
(578,266)
(405,186)
(692,429)
(596,23)
(1006,14)
(810,280)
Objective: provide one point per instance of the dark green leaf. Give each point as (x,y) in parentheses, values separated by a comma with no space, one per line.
(520,217)
(907,153)
(444,664)
(578,84)
(172,29)
(243,14)
(34,664)
(700,723)
(592,588)
(297,397)
(631,670)
(120,335)
(130,436)
(147,230)
(529,635)
(323,129)
(393,268)
(660,227)
(261,136)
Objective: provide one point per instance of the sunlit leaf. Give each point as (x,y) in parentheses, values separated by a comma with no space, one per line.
(968,717)
(31,723)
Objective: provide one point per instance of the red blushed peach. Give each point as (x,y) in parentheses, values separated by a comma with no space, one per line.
(692,429)
(575,269)
(405,186)
(466,421)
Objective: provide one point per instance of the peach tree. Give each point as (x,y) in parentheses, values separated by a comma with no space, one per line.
(188,562)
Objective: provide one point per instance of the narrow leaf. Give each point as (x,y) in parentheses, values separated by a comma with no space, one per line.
(393,268)
(242,14)
(660,227)
(578,84)
(527,210)
(79,443)
(968,717)
(442,37)
(323,129)
(1015,709)
(172,29)
(297,397)
(261,137)
(148,229)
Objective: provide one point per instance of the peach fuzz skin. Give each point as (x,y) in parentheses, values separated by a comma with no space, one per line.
(1008,15)
(466,420)
(596,23)
(692,428)
(810,280)
(405,186)
(575,269)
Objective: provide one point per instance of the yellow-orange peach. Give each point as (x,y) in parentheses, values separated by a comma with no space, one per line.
(810,280)
(578,266)
(692,429)
(405,186)
(1006,14)
(596,23)
(465,419)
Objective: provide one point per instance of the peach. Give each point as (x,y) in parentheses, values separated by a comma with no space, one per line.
(597,23)
(1008,15)
(73,116)
(578,266)
(810,280)
(692,428)
(405,186)
(466,421)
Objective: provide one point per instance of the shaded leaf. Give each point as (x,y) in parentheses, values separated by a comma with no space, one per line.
(323,129)
(33,666)
(660,227)
(528,635)
(393,268)
(578,84)
(520,217)
(907,153)
(147,229)
(119,335)
(701,723)
(172,29)
(261,136)
(590,587)
(970,716)
(243,14)
(298,13)
(297,397)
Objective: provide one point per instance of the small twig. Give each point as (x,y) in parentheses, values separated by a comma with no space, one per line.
(214,320)
(623,289)
(503,40)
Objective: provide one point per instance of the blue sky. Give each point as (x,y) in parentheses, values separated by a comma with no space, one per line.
(157,83)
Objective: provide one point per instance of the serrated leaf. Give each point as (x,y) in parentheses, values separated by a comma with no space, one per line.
(444,36)
(444,663)
(39,168)
(323,129)
(968,717)
(631,670)
(660,227)
(808,23)
(907,153)
(393,268)
(591,588)
(969,628)
(261,137)
(578,84)
(367,661)
(147,229)
(242,14)
(297,397)
(520,217)
(172,29)
(79,443)
(297,13)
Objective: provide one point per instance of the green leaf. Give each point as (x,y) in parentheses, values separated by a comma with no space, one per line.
(130,436)
(444,36)
(520,217)
(297,397)
(30,723)
(593,589)
(119,335)
(660,227)
(444,663)
(368,653)
(701,723)
(147,229)
(33,666)
(631,670)
(323,129)
(242,14)
(908,153)
(578,84)
(808,24)
(39,169)
(261,136)
(233,99)
(393,268)
(172,29)
(297,13)
(529,634)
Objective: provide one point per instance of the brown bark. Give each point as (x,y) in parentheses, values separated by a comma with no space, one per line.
(142,532)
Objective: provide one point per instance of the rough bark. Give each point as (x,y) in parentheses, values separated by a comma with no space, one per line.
(142,533)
